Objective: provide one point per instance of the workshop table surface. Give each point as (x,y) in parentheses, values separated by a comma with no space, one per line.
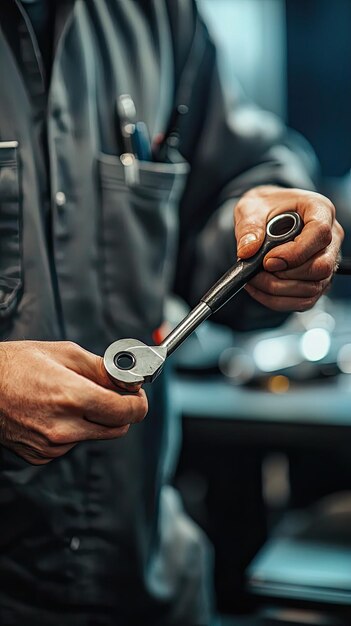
(320,408)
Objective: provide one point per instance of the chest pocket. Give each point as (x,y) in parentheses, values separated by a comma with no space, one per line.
(10,230)
(138,236)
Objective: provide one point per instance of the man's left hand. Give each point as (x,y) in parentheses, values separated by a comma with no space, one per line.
(297,273)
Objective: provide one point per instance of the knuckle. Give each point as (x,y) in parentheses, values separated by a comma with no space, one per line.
(325,234)
(323,268)
(340,231)
(66,399)
(330,205)
(116,432)
(122,431)
(318,199)
(316,288)
(55,437)
(71,347)
(55,451)
(329,267)
(306,304)
(137,407)
(138,415)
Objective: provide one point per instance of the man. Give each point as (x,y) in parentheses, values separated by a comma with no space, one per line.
(87,254)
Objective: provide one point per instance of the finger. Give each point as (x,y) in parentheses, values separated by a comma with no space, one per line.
(69,431)
(85,363)
(72,430)
(257,207)
(78,396)
(250,219)
(319,267)
(88,365)
(109,408)
(61,436)
(270,284)
(281,303)
(93,368)
(313,239)
(317,213)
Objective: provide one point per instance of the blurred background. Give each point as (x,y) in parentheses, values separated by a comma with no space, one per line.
(265,467)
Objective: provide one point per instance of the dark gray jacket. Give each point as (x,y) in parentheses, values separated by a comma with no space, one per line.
(88,252)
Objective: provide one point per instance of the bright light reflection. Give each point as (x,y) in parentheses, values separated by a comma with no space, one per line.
(236,365)
(321,320)
(315,344)
(276,353)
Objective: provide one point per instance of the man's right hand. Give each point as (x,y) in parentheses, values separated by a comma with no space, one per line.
(54,395)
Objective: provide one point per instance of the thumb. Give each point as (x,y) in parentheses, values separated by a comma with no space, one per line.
(250,235)
(250,216)
(89,366)
(94,369)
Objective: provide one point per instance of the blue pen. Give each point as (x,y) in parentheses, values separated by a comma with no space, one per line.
(134,134)
(141,142)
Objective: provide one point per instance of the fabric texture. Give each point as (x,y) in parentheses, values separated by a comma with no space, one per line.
(42,16)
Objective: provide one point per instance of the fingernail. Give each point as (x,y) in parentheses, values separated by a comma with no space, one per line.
(246,239)
(276,265)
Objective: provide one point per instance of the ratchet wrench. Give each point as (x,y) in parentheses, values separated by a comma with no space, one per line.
(130,362)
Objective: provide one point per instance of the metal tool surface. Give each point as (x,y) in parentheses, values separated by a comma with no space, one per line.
(130,362)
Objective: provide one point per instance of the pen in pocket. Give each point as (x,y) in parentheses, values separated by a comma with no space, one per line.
(134,133)
(126,117)
(141,142)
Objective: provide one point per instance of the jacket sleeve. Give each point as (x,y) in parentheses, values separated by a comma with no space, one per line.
(231,148)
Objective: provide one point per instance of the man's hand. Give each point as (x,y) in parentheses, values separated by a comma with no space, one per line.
(53,395)
(299,272)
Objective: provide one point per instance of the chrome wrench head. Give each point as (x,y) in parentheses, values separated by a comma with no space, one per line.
(130,363)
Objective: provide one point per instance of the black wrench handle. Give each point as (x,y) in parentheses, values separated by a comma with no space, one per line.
(280,229)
